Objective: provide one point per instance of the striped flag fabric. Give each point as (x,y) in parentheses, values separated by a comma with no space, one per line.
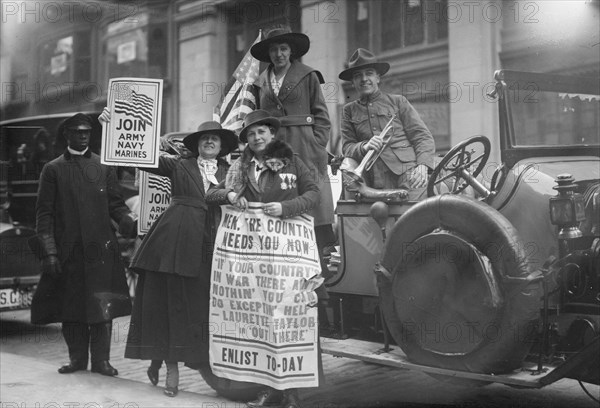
(133,104)
(159,183)
(239,97)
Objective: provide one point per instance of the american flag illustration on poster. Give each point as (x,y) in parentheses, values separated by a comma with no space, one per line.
(131,138)
(137,105)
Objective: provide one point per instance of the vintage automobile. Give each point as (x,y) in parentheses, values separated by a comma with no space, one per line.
(498,278)
(20,270)
(26,145)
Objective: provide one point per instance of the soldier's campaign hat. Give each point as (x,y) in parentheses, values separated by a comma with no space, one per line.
(258,117)
(228,139)
(363,59)
(300,43)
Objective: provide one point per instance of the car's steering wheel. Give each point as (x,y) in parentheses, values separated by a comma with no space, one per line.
(456,168)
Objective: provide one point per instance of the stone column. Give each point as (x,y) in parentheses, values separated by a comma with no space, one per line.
(325,24)
(473,40)
(201,77)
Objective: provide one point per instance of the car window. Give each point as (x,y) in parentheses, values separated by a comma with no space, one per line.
(550,118)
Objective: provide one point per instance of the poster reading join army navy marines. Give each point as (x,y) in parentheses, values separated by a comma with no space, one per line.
(131,138)
(262,320)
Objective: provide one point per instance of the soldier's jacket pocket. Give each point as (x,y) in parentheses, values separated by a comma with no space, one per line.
(403,149)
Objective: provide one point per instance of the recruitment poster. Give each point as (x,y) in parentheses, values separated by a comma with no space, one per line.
(263,315)
(155,197)
(131,138)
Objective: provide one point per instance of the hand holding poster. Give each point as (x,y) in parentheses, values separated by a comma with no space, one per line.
(131,138)
(262,323)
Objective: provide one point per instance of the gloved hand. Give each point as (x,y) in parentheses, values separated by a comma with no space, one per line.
(174,147)
(185,153)
(104,117)
(51,265)
(128,225)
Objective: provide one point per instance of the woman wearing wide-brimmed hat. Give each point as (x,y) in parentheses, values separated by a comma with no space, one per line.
(291,92)
(254,175)
(171,304)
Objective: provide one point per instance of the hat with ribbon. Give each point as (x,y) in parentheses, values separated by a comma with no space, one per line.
(299,43)
(363,59)
(74,122)
(77,120)
(258,117)
(228,139)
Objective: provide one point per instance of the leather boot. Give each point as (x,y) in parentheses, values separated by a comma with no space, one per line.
(104,368)
(74,365)
(268,397)
(291,399)
(153,371)
(172,382)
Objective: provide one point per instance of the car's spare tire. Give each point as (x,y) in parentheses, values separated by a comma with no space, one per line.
(230,389)
(452,302)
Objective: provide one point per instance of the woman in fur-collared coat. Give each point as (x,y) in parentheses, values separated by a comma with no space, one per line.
(270,173)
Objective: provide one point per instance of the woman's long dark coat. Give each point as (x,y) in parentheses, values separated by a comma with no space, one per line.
(305,124)
(77,198)
(170,313)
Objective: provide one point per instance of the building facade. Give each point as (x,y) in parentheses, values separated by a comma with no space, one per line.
(58,56)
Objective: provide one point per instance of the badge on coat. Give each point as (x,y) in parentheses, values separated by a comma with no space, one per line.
(288,181)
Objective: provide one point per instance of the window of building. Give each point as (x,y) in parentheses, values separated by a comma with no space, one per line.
(135,48)
(66,59)
(384,25)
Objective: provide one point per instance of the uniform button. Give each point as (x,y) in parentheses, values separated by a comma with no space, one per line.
(370,104)
(372,115)
(374,128)
(308,119)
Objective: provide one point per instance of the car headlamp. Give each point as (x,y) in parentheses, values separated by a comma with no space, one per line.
(567,209)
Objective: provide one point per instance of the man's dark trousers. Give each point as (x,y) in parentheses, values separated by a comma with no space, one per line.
(83,336)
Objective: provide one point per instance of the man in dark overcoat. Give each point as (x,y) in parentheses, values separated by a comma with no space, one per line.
(83,281)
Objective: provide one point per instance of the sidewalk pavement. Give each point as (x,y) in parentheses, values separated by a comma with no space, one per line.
(27,382)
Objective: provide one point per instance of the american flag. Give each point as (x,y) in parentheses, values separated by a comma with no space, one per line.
(130,103)
(239,97)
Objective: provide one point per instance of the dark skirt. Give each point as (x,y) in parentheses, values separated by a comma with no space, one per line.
(169,320)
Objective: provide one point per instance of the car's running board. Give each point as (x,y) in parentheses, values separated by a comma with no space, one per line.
(372,352)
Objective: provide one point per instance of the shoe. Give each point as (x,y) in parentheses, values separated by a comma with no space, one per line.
(73,366)
(268,397)
(171,391)
(104,368)
(152,375)
(291,399)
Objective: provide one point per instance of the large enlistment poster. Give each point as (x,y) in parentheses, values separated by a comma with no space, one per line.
(131,138)
(263,319)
